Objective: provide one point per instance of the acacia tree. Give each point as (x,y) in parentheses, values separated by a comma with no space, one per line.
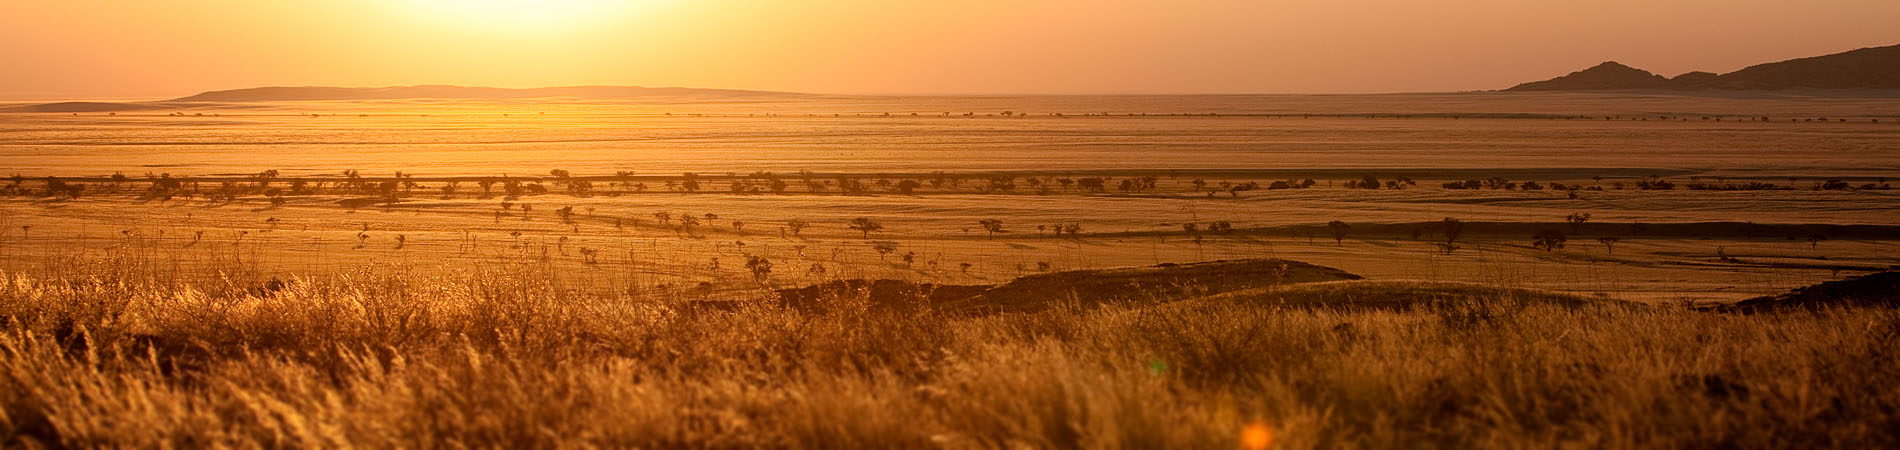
(687,222)
(1609,243)
(761,268)
(866,226)
(1094,185)
(992,226)
(796,226)
(1339,231)
(488,186)
(1453,229)
(690,182)
(1576,222)
(1548,240)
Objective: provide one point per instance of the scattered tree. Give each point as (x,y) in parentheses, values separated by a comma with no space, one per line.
(687,222)
(1339,231)
(1548,240)
(992,226)
(883,248)
(761,268)
(690,182)
(1609,243)
(866,226)
(1576,222)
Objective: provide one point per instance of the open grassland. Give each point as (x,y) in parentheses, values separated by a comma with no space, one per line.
(1766,192)
(663,231)
(114,353)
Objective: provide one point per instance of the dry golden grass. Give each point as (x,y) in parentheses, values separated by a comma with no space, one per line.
(115,353)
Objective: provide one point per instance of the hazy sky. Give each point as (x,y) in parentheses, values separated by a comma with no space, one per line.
(99,48)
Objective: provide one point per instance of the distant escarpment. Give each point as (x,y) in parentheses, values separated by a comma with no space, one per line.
(80,107)
(321,93)
(1867,68)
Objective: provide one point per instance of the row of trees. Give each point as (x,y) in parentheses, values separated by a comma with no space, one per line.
(1496,183)
(402,185)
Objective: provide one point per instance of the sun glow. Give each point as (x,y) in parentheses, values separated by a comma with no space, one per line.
(545,14)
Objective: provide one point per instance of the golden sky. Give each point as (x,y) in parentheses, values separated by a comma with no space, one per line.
(101,48)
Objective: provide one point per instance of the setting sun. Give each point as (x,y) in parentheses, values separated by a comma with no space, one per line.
(517,14)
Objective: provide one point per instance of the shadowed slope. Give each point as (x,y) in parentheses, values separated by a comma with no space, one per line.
(1867,68)
(1879,289)
(1086,287)
(1363,295)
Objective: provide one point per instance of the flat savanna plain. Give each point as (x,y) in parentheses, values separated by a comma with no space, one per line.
(971,162)
(565,274)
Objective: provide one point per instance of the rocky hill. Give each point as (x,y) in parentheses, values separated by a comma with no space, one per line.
(1867,68)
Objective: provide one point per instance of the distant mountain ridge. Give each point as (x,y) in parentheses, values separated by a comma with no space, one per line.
(82,107)
(319,93)
(1867,68)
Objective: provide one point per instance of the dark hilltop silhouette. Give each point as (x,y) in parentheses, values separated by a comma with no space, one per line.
(1867,68)
(1609,75)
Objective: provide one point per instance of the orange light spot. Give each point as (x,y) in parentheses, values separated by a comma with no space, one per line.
(1256,436)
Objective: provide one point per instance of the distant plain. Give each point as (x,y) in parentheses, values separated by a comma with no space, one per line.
(1669,245)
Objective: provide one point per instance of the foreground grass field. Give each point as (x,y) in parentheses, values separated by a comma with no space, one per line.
(123,353)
